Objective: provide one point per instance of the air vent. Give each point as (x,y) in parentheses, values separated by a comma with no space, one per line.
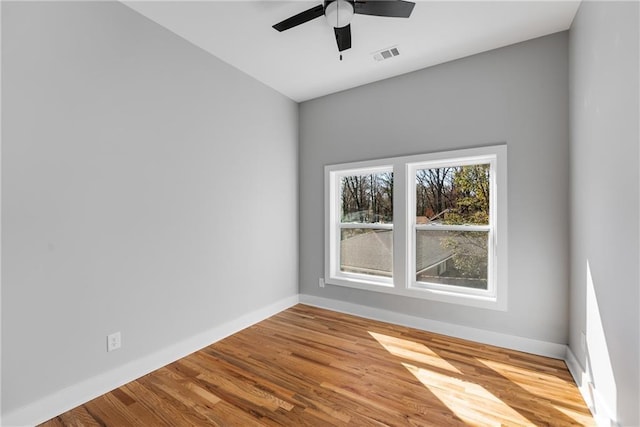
(386,53)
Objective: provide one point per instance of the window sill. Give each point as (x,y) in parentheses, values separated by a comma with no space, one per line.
(457,298)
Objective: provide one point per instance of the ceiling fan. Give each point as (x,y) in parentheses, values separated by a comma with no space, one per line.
(340,12)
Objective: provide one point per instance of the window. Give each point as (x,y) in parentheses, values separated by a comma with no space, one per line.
(452,229)
(362,226)
(429,226)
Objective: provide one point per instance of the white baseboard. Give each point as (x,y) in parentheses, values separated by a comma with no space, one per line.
(601,412)
(77,394)
(528,345)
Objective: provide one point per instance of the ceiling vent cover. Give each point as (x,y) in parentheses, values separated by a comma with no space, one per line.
(386,53)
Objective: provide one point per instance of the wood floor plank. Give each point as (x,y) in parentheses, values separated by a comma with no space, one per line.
(312,367)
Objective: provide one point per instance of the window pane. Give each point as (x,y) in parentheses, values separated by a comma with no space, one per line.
(366,251)
(458,258)
(453,195)
(367,198)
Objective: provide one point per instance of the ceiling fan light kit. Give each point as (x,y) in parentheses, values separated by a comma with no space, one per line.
(339,14)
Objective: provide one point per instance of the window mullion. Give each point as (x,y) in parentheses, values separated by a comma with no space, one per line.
(400,223)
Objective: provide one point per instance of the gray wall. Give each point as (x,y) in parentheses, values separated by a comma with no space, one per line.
(517,95)
(604,46)
(147,188)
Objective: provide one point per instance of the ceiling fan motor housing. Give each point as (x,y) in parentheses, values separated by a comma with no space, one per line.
(338,12)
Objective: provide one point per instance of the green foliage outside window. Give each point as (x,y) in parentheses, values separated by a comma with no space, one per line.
(458,195)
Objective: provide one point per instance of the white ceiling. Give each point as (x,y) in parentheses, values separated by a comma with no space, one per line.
(303,62)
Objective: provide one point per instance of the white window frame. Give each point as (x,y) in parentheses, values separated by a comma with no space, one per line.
(404,228)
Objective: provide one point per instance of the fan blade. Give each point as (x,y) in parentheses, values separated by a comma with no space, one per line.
(343,37)
(392,8)
(301,18)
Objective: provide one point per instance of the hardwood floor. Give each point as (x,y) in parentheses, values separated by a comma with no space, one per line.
(313,367)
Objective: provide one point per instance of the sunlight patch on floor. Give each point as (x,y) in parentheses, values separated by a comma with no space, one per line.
(580,418)
(522,376)
(546,386)
(410,350)
(470,402)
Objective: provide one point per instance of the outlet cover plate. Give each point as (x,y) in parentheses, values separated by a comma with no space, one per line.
(114,341)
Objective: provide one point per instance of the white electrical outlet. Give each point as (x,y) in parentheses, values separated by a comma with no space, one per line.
(114,341)
(321,282)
